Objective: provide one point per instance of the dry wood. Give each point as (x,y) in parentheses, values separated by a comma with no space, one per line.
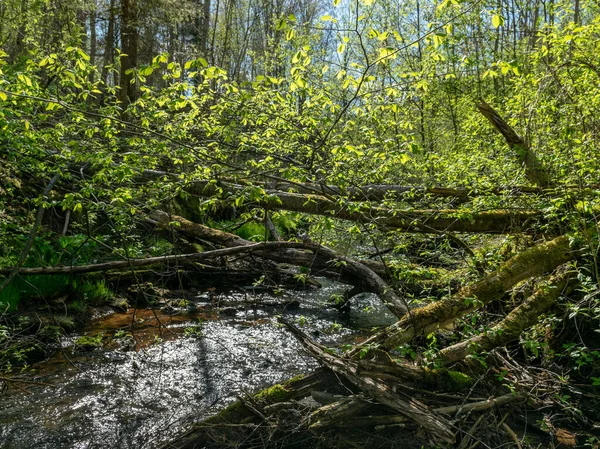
(337,413)
(438,428)
(479,406)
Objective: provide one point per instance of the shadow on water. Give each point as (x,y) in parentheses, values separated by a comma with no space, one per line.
(139,390)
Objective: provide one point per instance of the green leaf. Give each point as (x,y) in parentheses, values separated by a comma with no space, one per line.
(497,20)
(3,96)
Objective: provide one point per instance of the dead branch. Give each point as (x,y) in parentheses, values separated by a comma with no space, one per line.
(207,255)
(438,428)
(534,170)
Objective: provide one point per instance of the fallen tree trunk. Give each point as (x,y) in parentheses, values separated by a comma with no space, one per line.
(196,230)
(379,192)
(225,426)
(517,321)
(539,259)
(376,192)
(321,257)
(420,221)
(369,279)
(437,427)
(534,170)
(119,264)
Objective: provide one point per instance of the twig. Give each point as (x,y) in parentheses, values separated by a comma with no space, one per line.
(513,435)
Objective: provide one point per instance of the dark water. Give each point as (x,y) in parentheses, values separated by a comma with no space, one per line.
(139,393)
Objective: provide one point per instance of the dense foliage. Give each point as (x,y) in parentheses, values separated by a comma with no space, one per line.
(138,105)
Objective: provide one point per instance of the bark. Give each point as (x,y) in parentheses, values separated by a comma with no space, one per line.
(109,46)
(425,221)
(129,47)
(320,258)
(537,260)
(93,38)
(517,321)
(437,427)
(481,405)
(205,28)
(534,170)
(120,264)
(273,232)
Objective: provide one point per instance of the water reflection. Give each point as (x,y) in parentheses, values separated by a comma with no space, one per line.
(120,397)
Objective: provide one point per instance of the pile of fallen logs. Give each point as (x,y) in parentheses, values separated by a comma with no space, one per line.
(371,385)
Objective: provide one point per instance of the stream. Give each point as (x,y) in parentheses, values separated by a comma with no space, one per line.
(140,389)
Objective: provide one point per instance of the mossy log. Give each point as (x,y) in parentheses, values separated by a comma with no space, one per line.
(420,221)
(376,192)
(535,261)
(517,321)
(237,421)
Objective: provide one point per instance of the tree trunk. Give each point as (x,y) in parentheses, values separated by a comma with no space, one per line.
(129,49)
(534,170)
(424,221)
(93,36)
(518,320)
(109,44)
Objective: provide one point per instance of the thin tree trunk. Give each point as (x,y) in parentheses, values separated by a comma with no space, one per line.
(109,44)
(93,36)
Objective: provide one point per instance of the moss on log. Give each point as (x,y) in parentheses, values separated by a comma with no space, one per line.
(537,260)
(518,320)
(423,221)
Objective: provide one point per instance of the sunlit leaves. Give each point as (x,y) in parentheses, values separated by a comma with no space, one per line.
(497,20)
(446,3)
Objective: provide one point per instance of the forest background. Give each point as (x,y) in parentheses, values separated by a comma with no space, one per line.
(452,143)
